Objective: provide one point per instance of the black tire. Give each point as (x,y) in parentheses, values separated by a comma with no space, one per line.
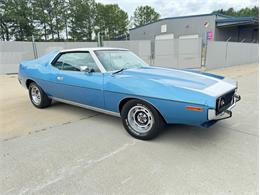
(44,101)
(155,127)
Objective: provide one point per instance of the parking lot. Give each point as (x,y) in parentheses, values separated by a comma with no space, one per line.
(69,150)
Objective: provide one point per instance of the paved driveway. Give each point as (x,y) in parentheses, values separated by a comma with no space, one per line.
(69,150)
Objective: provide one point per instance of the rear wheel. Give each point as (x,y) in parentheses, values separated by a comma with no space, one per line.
(141,120)
(38,97)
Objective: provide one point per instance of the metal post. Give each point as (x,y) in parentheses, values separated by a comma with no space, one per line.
(99,41)
(66,28)
(205,49)
(226,51)
(35,53)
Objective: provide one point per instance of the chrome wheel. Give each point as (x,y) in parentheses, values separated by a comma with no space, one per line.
(36,95)
(140,119)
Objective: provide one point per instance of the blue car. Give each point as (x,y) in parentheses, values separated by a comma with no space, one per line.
(117,82)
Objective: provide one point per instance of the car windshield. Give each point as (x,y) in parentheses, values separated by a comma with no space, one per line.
(113,60)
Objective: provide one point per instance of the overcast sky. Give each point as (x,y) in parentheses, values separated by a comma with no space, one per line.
(169,8)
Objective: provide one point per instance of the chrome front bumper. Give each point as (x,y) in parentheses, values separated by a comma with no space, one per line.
(225,114)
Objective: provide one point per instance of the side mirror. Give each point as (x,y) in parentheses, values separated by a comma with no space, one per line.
(84,69)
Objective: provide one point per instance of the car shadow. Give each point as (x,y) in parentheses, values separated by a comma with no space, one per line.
(193,134)
(171,133)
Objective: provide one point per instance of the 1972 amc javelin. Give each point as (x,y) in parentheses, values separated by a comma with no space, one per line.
(117,82)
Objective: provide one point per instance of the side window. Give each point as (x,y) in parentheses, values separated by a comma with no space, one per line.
(74,60)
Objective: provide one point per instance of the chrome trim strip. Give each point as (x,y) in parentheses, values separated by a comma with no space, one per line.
(86,106)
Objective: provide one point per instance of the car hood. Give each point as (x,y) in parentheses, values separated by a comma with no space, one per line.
(171,84)
(173,77)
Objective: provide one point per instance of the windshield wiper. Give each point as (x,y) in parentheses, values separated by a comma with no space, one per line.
(122,69)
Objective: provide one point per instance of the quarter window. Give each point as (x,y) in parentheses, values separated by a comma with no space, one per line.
(74,61)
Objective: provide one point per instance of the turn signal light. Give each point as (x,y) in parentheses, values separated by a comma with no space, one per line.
(194,108)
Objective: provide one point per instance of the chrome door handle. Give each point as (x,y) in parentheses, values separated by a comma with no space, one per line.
(59,78)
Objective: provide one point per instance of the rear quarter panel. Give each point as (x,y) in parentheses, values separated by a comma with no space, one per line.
(36,70)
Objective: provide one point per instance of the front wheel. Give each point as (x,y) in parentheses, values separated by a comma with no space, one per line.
(141,120)
(38,97)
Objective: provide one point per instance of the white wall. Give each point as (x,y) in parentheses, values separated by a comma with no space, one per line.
(178,53)
(45,47)
(231,53)
(13,52)
(173,53)
(140,48)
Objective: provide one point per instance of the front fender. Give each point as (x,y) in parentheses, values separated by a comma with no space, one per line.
(172,111)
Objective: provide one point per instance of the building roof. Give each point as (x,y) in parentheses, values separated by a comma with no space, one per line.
(223,19)
(236,21)
(178,17)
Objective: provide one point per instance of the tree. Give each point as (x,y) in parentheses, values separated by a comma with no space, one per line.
(110,20)
(41,18)
(242,12)
(5,21)
(52,19)
(249,12)
(81,19)
(49,18)
(16,20)
(59,15)
(144,15)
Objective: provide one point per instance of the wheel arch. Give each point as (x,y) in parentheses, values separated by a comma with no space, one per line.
(125,100)
(28,82)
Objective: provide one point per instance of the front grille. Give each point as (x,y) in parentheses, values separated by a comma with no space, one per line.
(224,101)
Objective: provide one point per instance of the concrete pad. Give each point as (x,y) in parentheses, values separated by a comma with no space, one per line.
(69,150)
(21,118)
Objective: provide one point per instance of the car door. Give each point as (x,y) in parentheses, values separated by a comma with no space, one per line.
(72,84)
